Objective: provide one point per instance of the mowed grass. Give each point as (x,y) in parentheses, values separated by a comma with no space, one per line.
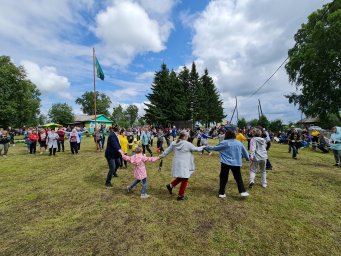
(60,206)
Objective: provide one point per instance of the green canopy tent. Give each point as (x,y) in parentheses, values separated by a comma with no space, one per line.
(51,125)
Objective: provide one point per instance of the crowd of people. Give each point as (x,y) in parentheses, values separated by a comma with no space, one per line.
(128,146)
(230,147)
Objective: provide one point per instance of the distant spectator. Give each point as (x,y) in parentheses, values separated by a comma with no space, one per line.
(335,144)
(52,138)
(61,134)
(42,140)
(315,138)
(33,137)
(5,139)
(323,144)
(174,132)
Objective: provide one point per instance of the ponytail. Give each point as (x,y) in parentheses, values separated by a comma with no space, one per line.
(183,135)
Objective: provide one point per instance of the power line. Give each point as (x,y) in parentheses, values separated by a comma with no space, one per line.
(267,80)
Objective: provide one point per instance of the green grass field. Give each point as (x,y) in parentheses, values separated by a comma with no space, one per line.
(60,206)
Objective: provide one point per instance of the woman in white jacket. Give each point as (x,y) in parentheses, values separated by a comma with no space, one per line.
(51,139)
(258,156)
(183,163)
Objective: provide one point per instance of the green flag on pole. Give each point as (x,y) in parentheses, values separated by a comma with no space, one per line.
(100,73)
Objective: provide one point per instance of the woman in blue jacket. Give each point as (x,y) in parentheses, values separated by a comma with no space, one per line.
(335,144)
(231,153)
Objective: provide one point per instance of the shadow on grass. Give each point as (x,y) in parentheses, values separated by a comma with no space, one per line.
(95,179)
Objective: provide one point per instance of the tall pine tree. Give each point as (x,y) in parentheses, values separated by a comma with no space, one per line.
(183,97)
(195,89)
(157,109)
(210,105)
(185,83)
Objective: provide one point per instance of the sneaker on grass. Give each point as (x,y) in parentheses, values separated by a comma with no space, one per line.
(144,196)
(244,194)
(108,185)
(169,188)
(181,198)
(251,185)
(222,196)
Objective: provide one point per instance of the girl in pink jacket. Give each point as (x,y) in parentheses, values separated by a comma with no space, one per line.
(140,172)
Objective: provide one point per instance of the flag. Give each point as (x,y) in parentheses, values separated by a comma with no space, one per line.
(100,73)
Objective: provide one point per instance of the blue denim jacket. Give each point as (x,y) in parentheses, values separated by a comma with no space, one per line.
(231,152)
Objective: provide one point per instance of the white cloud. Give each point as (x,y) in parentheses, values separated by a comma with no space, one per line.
(242,43)
(126,30)
(149,75)
(47,80)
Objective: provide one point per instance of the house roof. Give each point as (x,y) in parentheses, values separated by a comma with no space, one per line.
(309,120)
(89,118)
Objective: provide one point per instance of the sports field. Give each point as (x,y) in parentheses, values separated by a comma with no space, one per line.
(60,206)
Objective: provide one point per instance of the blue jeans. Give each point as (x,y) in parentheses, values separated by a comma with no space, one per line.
(102,142)
(294,150)
(144,185)
(113,166)
(159,145)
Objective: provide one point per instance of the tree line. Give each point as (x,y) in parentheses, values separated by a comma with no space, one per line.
(182,97)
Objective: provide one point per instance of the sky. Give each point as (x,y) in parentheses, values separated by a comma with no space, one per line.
(240,42)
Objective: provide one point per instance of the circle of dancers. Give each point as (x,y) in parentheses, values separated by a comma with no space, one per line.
(122,142)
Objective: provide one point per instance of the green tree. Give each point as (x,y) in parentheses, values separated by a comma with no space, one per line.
(119,117)
(241,123)
(87,103)
(141,121)
(263,121)
(276,125)
(329,121)
(209,106)
(19,97)
(43,119)
(131,113)
(177,107)
(185,83)
(314,63)
(253,122)
(195,90)
(158,110)
(61,113)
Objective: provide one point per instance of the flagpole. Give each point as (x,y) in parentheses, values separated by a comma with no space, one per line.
(94,64)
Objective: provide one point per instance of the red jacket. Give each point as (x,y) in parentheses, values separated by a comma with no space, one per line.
(61,134)
(33,137)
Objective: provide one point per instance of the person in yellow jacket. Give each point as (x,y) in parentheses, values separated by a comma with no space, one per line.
(315,138)
(240,136)
(124,145)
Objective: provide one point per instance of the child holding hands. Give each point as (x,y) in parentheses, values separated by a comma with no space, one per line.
(140,172)
(258,156)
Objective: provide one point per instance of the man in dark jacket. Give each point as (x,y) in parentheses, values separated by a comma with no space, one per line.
(112,155)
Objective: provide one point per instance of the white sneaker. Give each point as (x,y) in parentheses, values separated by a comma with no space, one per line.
(210,153)
(222,196)
(264,185)
(144,196)
(244,194)
(128,189)
(4,156)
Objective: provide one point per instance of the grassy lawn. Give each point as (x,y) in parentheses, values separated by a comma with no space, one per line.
(60,206)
